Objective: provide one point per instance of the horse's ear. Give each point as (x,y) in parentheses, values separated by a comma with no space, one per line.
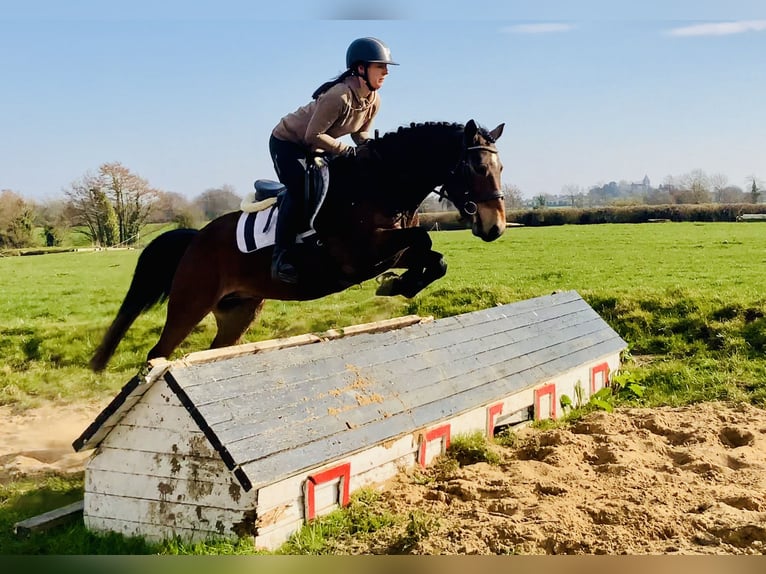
(470,131)
(497,132)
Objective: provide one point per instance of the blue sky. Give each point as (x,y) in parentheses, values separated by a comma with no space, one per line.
(185,94)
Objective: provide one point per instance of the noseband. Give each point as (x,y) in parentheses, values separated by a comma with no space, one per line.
(465,200)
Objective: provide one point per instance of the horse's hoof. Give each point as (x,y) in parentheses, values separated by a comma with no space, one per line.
(389,287)
(386,277)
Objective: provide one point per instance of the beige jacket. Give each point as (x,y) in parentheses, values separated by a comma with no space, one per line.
(338,112)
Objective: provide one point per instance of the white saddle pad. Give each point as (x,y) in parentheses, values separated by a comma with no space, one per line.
(256,230)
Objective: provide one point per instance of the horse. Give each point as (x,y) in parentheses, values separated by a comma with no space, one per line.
(363,230)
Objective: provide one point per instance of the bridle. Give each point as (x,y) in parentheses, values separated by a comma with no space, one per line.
(464,199)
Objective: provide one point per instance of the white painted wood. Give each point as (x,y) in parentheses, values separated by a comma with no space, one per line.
(150,531)
(172,515)
(159,465)
(159,440)
(218,494)
(156,473)
(275,535)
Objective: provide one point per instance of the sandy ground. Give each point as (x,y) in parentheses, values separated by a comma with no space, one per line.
(688,480)
(40,440)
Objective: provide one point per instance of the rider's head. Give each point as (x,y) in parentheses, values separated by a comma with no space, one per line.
(369,59)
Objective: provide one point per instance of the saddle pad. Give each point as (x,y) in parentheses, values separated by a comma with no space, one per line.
(256,230)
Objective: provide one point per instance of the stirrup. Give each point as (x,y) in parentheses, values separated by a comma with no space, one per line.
(283,271)
(287,274)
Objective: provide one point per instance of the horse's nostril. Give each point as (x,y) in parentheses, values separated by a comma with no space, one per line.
(493,233)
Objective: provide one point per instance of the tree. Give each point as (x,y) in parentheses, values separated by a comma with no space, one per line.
(660,196)
(693,187)
(51,216)
(732,194)
(16,220)
(216,201)
(574,194)
(755,192)
(718,183)
(174,207)
(112,205)
(512,195)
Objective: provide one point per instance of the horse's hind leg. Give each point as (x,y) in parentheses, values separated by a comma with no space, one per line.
(186,308)
(233,316)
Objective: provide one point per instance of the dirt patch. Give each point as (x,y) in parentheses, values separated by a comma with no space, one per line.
(39,441)
(688,480)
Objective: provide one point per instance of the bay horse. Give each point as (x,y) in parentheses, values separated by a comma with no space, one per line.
(359,233)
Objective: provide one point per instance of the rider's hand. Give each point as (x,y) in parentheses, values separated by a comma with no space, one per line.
(349,151)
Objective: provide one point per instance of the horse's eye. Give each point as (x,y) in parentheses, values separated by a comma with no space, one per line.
(481,169)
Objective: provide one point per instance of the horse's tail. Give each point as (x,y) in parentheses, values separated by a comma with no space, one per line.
(150,285)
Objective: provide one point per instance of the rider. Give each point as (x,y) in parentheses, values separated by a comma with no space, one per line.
(343,106)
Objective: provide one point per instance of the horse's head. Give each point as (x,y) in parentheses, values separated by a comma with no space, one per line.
(474,185)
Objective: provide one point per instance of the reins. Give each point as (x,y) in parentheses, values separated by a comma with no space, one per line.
(469,204)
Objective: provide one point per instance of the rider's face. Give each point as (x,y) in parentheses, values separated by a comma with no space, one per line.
(376,74)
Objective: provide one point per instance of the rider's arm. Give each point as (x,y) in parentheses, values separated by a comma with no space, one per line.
(330,108)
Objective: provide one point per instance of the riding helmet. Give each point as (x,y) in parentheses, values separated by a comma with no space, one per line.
(368,50)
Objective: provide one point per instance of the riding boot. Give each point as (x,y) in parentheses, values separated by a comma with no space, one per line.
(281,268)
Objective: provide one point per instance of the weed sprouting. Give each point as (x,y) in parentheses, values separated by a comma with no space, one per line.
(472,448)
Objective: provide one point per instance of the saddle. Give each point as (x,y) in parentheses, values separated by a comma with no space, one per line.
(257,223)
(267,191)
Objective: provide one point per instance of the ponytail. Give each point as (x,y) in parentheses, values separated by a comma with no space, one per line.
(327,85)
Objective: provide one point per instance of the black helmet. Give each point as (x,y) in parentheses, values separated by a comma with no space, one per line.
(368,50)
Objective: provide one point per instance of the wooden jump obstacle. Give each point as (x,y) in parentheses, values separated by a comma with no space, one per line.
(253,442)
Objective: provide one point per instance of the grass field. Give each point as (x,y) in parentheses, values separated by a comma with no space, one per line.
(688,298)
(675,291)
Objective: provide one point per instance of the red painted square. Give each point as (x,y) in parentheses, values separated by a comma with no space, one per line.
(603,370)
(441,432)
(492,412)
(548,390)
(342,472)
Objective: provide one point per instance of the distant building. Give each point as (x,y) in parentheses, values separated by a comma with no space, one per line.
(641,187)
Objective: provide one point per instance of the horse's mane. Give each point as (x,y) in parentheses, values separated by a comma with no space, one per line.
(414,134)
(400,158)
(436,127)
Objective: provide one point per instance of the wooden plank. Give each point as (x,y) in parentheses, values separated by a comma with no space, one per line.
(110,415)
(276,437)
(278,463)
(224,492)
(153,532)
(48,519)
(372,353)
(299,340)
(171,417)
(160,465)
(136,387)
(383,392)
(269,363)
(406,357)
(172,515)
(308,429)
(286,491)
(153,440)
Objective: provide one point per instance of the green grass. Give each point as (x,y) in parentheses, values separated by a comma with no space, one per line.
(362,518)
(472,448)
(674,291)
(687,298)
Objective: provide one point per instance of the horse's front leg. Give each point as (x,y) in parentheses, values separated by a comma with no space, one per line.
(423,265)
